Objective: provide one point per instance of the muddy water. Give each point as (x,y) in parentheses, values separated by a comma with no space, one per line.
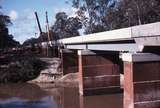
(49,96)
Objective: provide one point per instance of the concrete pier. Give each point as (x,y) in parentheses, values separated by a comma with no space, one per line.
(69,61)
(141,80)
(99,72)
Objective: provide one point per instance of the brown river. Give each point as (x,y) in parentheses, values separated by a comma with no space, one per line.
(48,96)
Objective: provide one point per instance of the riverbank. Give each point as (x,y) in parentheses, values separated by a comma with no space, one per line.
(17,68)
(53,74)
(25,66)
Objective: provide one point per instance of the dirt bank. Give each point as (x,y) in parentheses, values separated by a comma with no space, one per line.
(69,80)
(51,73)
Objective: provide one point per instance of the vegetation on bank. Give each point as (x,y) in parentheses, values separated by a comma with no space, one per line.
(16,68)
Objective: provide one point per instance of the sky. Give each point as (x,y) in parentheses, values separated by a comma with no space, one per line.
(21,13)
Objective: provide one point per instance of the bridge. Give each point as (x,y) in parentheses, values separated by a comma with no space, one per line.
(103,59)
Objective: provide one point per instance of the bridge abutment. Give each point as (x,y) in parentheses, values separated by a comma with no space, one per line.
(141,80)
(99,72)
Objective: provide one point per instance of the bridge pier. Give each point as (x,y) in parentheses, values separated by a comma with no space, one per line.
(69,61)
(99,72)
(141,80)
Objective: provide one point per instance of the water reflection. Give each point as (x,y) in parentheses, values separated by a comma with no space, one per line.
(49,96)
(25,96)
(102,101)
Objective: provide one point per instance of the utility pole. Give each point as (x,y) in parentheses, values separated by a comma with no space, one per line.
(48,33)
(47,23)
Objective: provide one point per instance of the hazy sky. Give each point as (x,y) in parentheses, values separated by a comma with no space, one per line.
(22,15)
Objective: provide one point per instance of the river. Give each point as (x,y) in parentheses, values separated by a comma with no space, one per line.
(48,96)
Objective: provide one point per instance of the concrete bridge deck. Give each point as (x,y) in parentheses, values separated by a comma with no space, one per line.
(132,39)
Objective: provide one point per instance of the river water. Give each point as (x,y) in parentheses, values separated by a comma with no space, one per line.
(48,96)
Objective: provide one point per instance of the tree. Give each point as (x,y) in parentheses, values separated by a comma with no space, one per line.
(6,40)
(133,12)
(65,26)
(30,41)
(4,20)
(96,10)
(114,14)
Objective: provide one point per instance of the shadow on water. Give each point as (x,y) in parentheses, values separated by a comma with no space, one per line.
(48,96)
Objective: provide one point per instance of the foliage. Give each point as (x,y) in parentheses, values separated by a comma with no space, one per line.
(66,26)
(6,40)
(4,21)
(96,10)
(133,12)
(19,68)
(114,14)
(30,41)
